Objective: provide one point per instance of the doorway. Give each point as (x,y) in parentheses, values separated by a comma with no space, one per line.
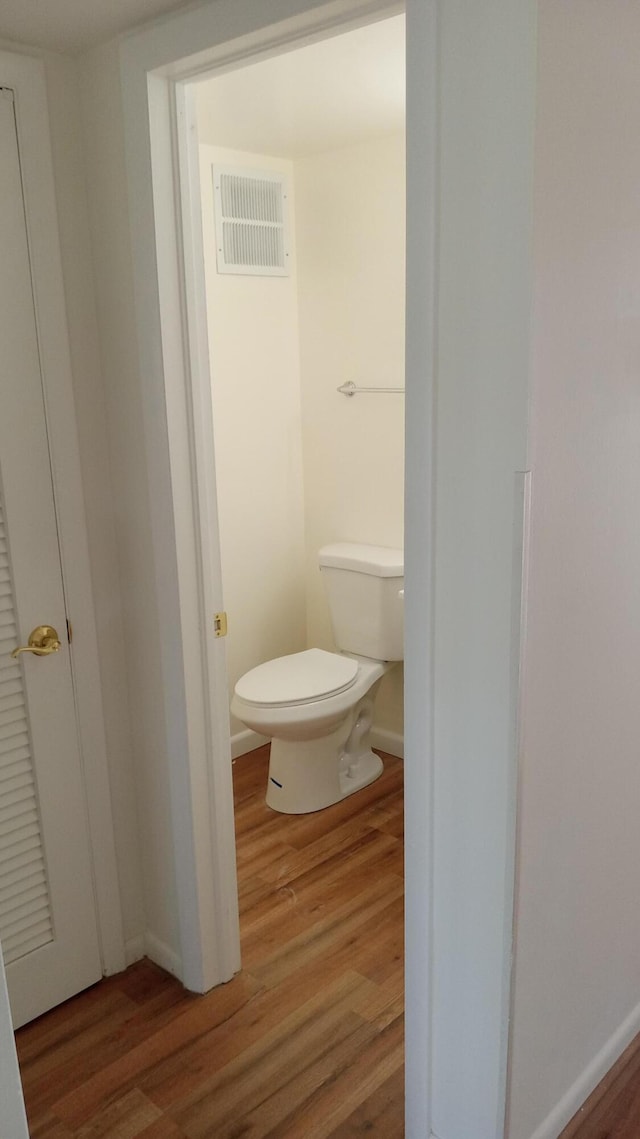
(300,464)
(458,83)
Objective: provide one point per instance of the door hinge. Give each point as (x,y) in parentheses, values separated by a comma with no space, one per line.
(219,624)
(69,631)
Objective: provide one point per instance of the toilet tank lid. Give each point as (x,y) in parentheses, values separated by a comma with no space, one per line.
(379,561)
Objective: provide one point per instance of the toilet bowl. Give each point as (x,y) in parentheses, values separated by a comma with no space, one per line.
(317,706)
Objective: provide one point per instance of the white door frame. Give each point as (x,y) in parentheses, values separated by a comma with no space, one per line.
(165,232)
(14,1118)
(451,102)
(25,76)
(174,365)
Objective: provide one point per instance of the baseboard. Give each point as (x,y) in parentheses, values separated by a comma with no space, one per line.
(134,949)
(247,741)
(589,1079)
(157,951)
(244,742)
(148,945)
(391,742)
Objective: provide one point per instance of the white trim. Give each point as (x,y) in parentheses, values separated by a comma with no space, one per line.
(222,34)
(161,954)
(589,1079)
(214,676)
(522,551)
(202,795)
(14,1119)
(148,945)
(386,740)
(236,32)
(422,253)
(25,75)
(134,949)
(146,93)
(166,235)
(229,29)
(243,743)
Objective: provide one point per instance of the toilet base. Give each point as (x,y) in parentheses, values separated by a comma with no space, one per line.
(309,775)
(355,775)
(303,779)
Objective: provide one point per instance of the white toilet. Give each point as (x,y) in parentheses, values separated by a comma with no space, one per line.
(317,706)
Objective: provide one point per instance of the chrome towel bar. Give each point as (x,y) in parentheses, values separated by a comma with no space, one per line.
(351,389)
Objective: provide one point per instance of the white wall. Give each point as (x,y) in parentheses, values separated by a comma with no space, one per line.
(578,934)
(66,130)
(66,140)
(278,341)
(253,338)
(350,237)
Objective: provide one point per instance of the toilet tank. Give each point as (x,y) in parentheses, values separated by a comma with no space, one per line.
(363,585)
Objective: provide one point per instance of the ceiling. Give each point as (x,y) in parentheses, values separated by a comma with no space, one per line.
(74,25)
(320,97)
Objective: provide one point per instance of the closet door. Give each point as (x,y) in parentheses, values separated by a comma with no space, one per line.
(47,914)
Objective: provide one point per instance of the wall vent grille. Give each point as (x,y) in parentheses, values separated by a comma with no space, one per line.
(252,224)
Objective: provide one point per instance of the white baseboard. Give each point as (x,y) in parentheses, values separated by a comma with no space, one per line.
(134,949)
(589,1079)
(244,742)
(156,950)
(147,945)
(392,742)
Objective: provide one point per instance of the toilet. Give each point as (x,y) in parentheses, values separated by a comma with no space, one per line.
(317,706)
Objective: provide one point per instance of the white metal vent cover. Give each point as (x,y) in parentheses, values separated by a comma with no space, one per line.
(252,221)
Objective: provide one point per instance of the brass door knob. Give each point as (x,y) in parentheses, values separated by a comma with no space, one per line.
(43,641)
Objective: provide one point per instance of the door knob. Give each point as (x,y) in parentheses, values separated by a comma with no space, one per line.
(43,640)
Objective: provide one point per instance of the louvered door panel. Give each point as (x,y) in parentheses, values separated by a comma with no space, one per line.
(47,914)
(25,911)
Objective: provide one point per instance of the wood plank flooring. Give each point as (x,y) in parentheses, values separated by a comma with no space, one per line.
(613,1109)
(307,1041)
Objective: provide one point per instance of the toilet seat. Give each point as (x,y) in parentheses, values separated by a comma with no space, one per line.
(297,679)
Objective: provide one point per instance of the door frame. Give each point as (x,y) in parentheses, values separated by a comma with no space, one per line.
(156,65)
(26,77)
(163,180)
(11,1097)
(464,59)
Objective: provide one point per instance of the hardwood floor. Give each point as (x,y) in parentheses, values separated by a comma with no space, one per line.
(613,1109)
(307,1041)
